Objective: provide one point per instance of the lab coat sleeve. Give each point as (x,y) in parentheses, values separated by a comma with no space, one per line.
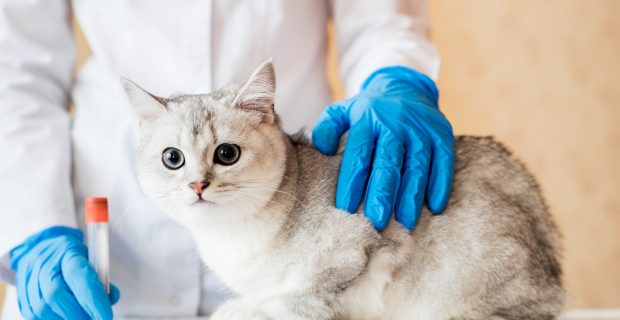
(36,60)
(372,34)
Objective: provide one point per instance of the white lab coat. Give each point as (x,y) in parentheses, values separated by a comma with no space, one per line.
(50,160)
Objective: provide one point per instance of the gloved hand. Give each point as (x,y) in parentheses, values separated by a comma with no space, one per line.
(55,281)
(397,131)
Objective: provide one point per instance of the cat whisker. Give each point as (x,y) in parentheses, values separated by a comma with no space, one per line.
(264,189)
(254,196)
(253,205)
(262,181)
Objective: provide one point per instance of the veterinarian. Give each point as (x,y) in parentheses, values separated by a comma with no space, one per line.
(399,155)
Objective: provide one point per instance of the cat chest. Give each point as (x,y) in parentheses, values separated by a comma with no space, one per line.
(259,276)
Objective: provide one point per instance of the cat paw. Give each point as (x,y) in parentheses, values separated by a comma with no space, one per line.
(239,311)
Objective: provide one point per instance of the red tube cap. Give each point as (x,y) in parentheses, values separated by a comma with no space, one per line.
(96,209)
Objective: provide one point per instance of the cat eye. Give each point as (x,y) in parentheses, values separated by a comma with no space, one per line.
(172,158)
(227,154)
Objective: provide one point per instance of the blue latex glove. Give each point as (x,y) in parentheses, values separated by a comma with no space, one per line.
(397,135)
(55,281)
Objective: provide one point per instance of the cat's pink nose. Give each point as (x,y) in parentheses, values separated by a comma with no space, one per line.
(199,187)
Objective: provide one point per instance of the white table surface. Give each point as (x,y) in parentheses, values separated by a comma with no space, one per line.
(592,314)
(197,318)
(599,314)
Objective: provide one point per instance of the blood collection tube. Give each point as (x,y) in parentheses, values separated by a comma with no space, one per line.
(97,234)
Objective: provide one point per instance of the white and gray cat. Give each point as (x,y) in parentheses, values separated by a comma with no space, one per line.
(260,205)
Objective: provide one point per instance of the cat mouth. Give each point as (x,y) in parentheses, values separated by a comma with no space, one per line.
(203,201)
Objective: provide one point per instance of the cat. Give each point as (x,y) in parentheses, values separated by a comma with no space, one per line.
(260,205)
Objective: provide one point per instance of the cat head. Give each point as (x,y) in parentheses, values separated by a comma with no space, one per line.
(214,156)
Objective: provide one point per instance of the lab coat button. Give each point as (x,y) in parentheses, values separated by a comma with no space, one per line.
(174,300)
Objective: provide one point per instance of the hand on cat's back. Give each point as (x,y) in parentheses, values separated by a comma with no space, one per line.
(399,151)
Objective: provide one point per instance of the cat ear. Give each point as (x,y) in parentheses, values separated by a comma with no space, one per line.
(258,93)
(146,105)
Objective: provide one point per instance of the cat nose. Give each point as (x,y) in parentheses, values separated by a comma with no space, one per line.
(199,187)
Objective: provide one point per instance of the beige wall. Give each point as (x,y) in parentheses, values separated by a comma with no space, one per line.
(542,76)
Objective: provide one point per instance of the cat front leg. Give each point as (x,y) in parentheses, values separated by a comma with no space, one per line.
(238,309)
(301,307)
(306,307)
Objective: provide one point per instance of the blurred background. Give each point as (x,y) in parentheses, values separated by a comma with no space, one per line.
(544,78)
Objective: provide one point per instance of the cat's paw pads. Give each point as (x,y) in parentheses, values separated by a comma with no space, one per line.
(239,311)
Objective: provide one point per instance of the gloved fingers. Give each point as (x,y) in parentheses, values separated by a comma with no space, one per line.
(31,260)
(32,242)
(332,123)
(414,180)
(410,198)
(37,304)
(114,295)
(86,287)
(57,294)
(62,301)
(442,171)
(25,311)
(384,180)
(21,283)
(355,166)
